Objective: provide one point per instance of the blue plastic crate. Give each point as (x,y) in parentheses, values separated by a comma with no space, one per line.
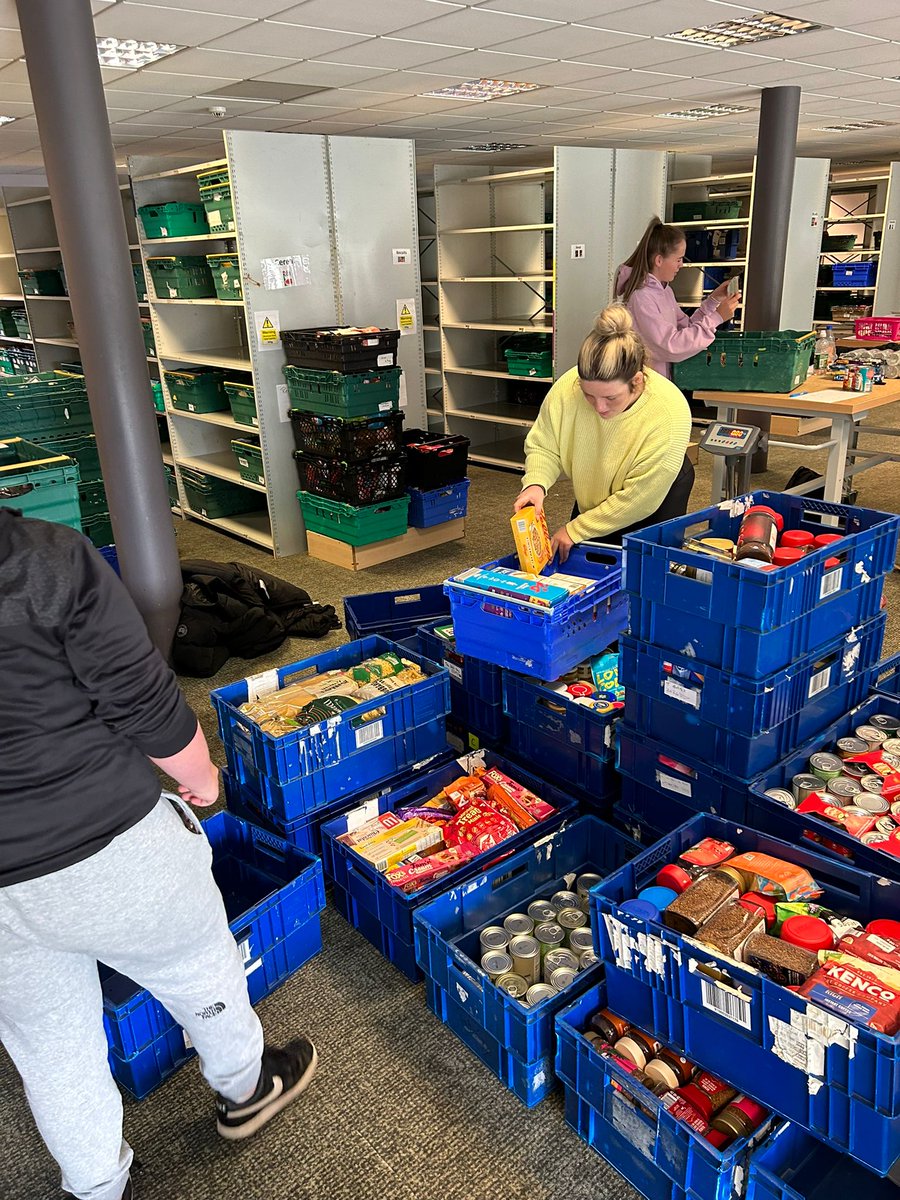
(793,1165)
(853,274)
(765,813)
(646,813)
(300,772)
(531,1081)
(628,1125)
(840,1081)
(745,726)
(756,601)
(476,687)
(109,553)
(447,928)
(886,676)
(392,908)
(145,1071)
(686,779)
(435,507)
(544,644)
(394,615)
(271,890)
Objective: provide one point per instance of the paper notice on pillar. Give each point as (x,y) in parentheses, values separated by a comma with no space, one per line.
(290,271)
(268,329)
(284,402)
(407,319)
(403,400)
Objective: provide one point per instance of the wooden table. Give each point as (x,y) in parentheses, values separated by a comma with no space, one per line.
(845,415)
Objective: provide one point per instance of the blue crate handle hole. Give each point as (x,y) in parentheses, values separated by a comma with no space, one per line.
(502,880)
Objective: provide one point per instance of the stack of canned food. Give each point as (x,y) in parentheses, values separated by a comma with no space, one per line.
(537,953)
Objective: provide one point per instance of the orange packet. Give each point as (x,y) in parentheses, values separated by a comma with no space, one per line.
(532,538)
(500,798)
(776,876)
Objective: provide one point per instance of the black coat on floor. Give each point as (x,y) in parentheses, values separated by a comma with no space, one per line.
(230,609)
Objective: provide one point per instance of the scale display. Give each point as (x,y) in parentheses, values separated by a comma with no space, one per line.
(730,439)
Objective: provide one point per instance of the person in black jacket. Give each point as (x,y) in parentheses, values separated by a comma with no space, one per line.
(96,865)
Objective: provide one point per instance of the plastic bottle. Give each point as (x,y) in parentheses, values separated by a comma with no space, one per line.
(832,346)
(821,353)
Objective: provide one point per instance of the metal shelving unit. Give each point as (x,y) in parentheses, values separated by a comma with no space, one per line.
(292,195)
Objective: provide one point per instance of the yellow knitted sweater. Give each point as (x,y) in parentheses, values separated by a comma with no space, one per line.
(622,467)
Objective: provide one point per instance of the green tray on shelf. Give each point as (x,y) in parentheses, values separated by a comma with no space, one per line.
(181,277)
(333,394)
(40,482)
(198,390)
(226,274)
(249,460)
(355,526)
(242,402)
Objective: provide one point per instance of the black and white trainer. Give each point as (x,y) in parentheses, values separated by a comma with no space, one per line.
(285,1075)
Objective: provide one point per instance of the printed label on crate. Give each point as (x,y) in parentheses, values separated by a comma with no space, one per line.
(362,813)
(385,360)
(831,583)
(819,682)
(681,786)
(262,684)
(454,670)
(726,1002)
(681,692)
(802,1042)
(367,734)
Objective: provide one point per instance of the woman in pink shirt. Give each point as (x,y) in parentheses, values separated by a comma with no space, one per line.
(643,283)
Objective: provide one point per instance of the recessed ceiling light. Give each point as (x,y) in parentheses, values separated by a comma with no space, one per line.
(131,54)
(744,31)
(704,112)
(852,126)
(482,89)
(490,147)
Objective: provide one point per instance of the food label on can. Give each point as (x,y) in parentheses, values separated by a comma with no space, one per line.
(681,692)
(819,682)
(671,784)
(367,734)
(831,583)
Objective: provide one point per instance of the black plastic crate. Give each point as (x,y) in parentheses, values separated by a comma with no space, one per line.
(435,460)
(325,349)
(352,440)
(377,479)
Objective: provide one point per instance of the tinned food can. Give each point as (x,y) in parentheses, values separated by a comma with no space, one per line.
(514,985)
(541,911)
(556,959)
(847,747)
(876,806)
(872,784)
(871,735)
(843,789)
(581,940)
(493,937)
(561,978)
(525,952)
(496,963)
(856,770)
(825,766)
(886,824)
(782,796)
(571,918)
(884,722)
(538,992)
(588,959)
(518,924)
(550,936)
(583,885)
(804,785)
(891,745)
(564,899)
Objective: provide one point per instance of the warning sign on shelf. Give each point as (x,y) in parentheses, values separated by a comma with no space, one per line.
(268,336)
(406,316)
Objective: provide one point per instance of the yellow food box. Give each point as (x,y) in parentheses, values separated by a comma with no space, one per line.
(532,538)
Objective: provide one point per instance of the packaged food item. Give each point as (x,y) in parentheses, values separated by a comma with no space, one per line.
(514,985)
(758,533)
(872,948)
(810,933)
(493,937)
(463,790)
(708,1094)
(605,674)
(779,961)
(797,538)
(549,936)
(477,827)
(556,959)
(637,1047)
(836,922)
(378,668)
(776,877)
(707,853)
(532,539)
(861,992)
(518,925)
(740,1118)
(804,785)
(541,911)
(415,874)
(885,928)
(496,963)
(670,1068)
(372,828)
(856,824)
(701,901)
(538,808)
(501,799)
(545,591)
(682,1110)
(609,1025)
(526,955)
(389,849)
(764,905)
(675,877)
(729,928)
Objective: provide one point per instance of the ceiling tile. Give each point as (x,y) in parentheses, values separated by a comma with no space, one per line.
(563,10)
(157,23)
(706,63)
(356,97)
(822,41)
(234,107)
(479,29)
(175,118)
(165,83)
(866,89)
(488,64)
(568,41)
(709,90)
(15,91)
(221,64)
(650,53)
(412,83)
(394,52)
(872,55)
(564,73)
(145,101)
(650,82)
(361,16)
(10,43)
(418,105)
(256,9)
(774,73)
(843,13)
(271,37)
(662,17)
(267,123)
(326,73)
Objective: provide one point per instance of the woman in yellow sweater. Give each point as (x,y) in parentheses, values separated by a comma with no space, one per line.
(619,431)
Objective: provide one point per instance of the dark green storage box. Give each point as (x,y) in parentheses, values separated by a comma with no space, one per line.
(768,361)
(47,282)
(226,274)
(333,394)
(174,219)
(181,277)
(355,526)
(213,497)
(242,402)
(98,528)
(249,460)
(706,210)
(39,482)
(199,389)
(149,341)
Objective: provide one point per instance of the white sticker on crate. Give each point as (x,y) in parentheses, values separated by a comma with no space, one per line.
(726,1002)
(681,692)
(385,360)
(367,734)
(455,670)
(362,813)
(831,583)
(820,681)
(620,940)
(262,684)
(681,786)
(789,1044)
(188,1044)
(631,1124)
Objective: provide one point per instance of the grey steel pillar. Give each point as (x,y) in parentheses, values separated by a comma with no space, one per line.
(67,88)
(773,188)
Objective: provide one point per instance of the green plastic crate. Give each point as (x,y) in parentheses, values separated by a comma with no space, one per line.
(158,402)
(5,367)
(43,282)
(20,322)
(149,340)
(83,448)
(355,526)
(333,394)
(98,528)
(172,485)
(7,324)
(174,219)
(199,390)
(181,277)
(840,242)
(768,361)
(211,497)
(140,280)
(529,362)
(215,194)
(242,402)
(226,275)
(43,417)
(215,176)
(92,497)
(39,482)
(706,210)
(249,460)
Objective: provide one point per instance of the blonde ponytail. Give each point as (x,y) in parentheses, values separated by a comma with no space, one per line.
(657,239)
(612,351)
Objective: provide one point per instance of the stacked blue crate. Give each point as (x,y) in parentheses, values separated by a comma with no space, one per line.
(728,669)
(476,687)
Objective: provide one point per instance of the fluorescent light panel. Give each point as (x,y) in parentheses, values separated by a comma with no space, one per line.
(744,31)
(490,147)
(852,126)
(6,120)
(131,54)
(704,112)
(482,89)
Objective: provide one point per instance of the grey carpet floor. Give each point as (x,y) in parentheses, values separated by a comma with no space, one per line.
(399,1107)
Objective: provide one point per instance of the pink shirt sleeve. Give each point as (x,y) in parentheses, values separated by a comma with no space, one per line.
(668,339)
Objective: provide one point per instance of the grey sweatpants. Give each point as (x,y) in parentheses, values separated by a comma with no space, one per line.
(146,905)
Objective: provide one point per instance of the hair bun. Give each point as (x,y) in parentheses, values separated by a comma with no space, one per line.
(614,321)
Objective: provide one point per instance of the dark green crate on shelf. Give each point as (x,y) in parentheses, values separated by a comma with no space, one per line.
(838,242)
(41,418)
(7,324)
(171,485)
(226,275)
(333,394)
(81,447)
(39,482)
(199,390)
(213,497)
(5,367)
(529,362)
(140,280)
(43,282)
(706,210)
(75,369)
(149,340)
(355,526)
(92,497)
(768,361)
(20,321)
(249,460)
(215,195)
(98,528)
(242,402)
(181,277)
(174,219)
(158,402)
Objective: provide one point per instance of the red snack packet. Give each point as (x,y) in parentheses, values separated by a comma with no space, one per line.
(538,808)
(415,874)
(844,986)
(891,788)
(478,827)
(873,948)
(855,825)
